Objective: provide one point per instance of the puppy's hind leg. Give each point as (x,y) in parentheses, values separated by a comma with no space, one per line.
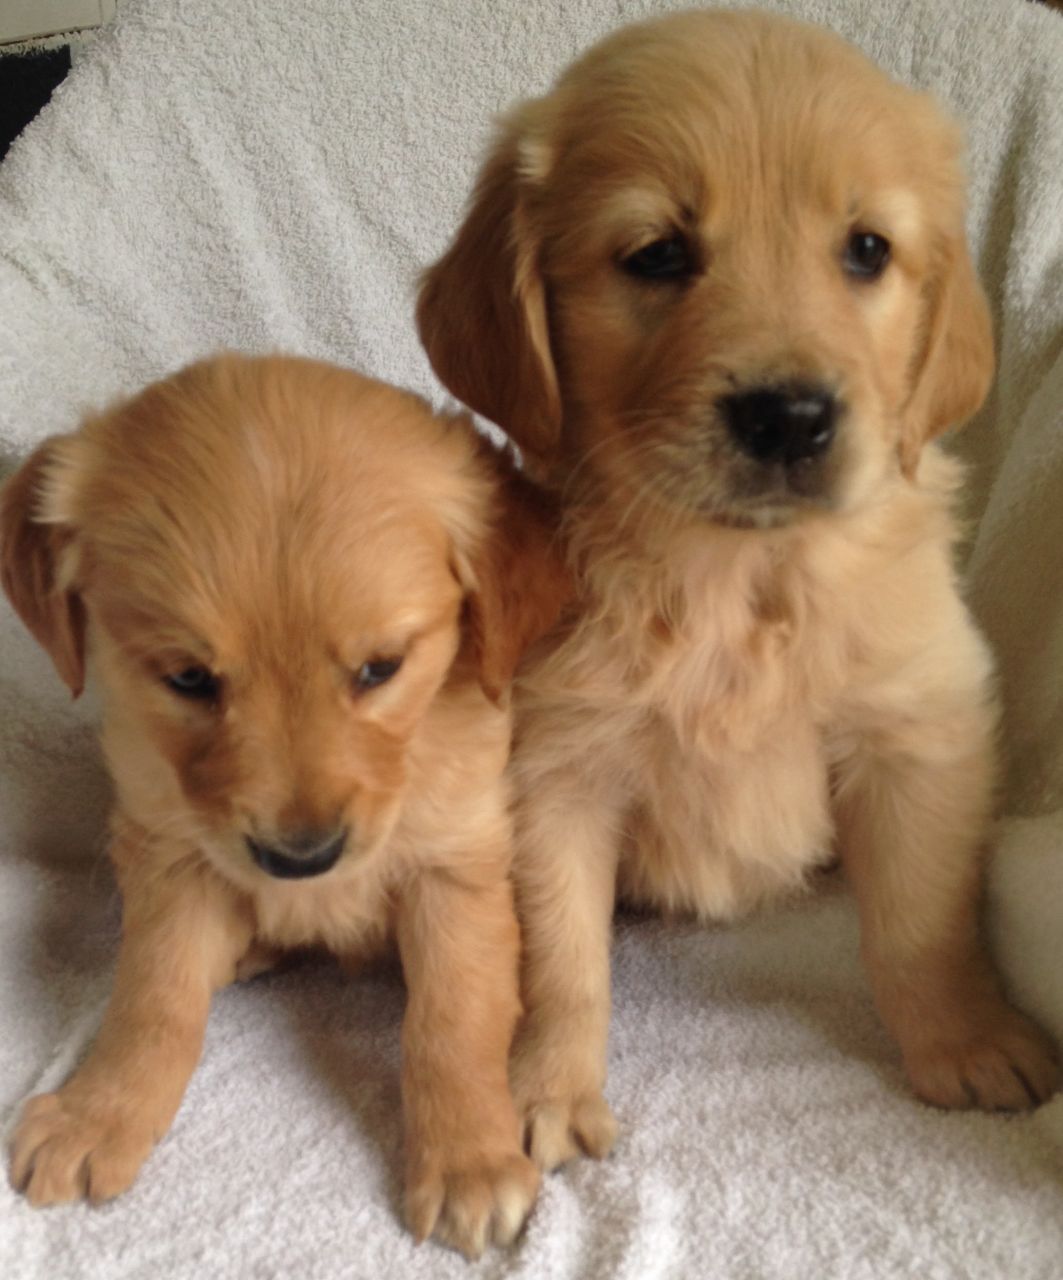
(565,871)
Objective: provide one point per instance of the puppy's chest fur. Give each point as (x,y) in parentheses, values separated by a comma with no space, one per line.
(352,916)
(718,654)
(723,683)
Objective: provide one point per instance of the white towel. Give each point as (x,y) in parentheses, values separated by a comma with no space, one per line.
(272,176)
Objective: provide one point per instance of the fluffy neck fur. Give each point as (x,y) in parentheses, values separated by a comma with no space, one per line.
(731,627)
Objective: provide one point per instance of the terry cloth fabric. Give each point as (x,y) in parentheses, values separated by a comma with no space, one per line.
(267,176)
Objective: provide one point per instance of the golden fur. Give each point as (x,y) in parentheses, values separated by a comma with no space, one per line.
(766,660)
(278,523)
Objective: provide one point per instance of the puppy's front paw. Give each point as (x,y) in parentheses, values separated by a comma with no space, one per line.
(558,1129)
(558,1095)
(1004,1062)
(68,1148)
(469,1200)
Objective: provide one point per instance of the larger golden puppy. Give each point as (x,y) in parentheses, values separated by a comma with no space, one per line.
(294,583)
(716,286)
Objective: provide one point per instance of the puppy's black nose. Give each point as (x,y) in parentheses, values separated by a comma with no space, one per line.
(295,855)
(781,424)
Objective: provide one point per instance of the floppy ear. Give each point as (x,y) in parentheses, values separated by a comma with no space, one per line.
(482,312)
(956,366)
(31,551)
(516,584)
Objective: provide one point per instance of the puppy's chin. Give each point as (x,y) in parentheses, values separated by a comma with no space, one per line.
(778,499)
(707,481)
(776,516)
(769,498)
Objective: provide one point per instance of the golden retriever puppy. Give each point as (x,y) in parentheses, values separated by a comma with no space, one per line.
(716,286)
(295,588)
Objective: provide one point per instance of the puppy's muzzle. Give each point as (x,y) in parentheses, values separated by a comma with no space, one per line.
(781,424)
(299,854)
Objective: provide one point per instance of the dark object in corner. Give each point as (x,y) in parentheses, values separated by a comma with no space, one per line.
(26,84)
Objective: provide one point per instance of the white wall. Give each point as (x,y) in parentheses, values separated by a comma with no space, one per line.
(30,19)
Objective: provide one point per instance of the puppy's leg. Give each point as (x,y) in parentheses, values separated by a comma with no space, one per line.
(182,935)
(912,808)
(566,885)
(467,1178)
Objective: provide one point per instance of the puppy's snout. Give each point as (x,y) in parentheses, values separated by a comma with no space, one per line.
(295,855)
(784,424)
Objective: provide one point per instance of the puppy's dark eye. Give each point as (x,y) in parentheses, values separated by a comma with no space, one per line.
(193,683)
(666,259)
(866,255)
(376,671)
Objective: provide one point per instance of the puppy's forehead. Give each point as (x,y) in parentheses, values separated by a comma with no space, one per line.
(717,110)
(283,609)
(226,507)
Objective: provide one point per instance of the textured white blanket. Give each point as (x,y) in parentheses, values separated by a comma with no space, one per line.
(263,175)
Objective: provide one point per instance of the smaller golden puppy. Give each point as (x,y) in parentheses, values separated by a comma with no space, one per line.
(292,583)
